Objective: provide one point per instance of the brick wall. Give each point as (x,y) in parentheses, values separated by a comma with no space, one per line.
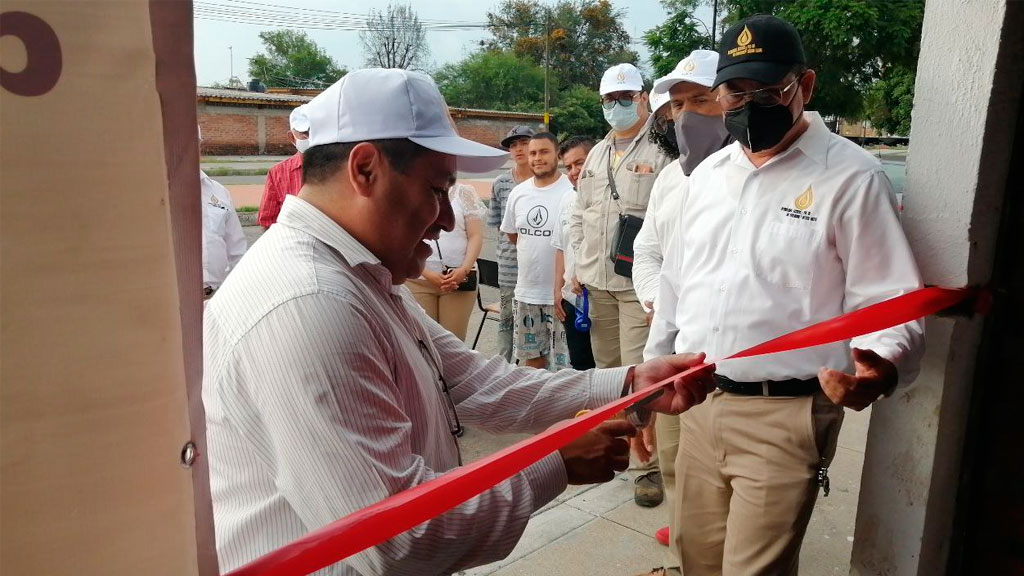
(239,130)
(490,131)
(228,134)
(277,141)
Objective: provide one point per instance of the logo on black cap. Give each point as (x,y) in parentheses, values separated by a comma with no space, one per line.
(745,44)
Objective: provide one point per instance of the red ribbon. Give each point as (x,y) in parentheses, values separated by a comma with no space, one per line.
(396,514)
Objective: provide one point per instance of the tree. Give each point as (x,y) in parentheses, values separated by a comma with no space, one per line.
(677,36)
(394,38)
(293,60)
(578,113)
(493,80)
(890,100)
(849,43)
(584,37)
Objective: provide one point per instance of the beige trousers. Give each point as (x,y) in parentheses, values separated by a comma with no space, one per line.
(449,309)
(666,431)
(746,481)
(618,334)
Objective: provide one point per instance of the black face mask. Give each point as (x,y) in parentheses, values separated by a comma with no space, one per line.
(759,127)
(666,140)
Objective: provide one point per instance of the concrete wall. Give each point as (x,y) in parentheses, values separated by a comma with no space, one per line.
(968,78)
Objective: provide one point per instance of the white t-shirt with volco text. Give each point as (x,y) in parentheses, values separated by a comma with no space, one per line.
(532,213)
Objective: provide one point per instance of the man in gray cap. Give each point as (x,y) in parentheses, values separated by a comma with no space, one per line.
(517,141)
(328,389)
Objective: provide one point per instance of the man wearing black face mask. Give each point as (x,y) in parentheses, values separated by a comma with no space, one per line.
(788,226)
(698,132)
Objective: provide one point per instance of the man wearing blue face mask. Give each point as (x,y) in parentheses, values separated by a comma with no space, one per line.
(788,226)
(699,132)
(612,193)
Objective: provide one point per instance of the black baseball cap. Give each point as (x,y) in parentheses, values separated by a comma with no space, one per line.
(760,48)
(515,134)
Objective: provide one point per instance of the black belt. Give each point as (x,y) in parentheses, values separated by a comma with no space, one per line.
(792,387)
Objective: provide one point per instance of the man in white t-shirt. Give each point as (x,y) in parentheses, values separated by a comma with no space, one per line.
(531,219)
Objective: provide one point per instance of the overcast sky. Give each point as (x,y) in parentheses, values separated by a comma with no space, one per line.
(212,38)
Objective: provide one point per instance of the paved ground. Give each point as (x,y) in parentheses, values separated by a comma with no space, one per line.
(599,531)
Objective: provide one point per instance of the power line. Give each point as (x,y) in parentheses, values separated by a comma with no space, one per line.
(289,10)
(311,20)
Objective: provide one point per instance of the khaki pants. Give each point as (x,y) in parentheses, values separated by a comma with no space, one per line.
(666,429)
(449,309)
(618,334)
(746,481)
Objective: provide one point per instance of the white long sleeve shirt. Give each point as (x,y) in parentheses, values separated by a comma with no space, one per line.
(223,240)
(322,394)
(659,225)
(760,252)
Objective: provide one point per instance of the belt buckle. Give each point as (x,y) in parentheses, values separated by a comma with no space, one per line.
(764,388)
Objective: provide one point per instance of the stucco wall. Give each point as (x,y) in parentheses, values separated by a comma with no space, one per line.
(956,172)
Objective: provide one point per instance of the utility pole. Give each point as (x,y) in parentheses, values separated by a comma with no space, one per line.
(231,56)
(547,64)
(714,23)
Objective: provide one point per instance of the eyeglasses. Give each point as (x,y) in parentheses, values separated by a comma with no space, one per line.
(624,101)
(450,413)
(771,96)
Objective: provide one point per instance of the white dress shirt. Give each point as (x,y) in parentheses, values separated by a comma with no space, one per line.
(760,252)
(659,225)
(223,239)
(323,396)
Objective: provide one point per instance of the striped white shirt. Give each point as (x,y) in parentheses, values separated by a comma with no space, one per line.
(322,397)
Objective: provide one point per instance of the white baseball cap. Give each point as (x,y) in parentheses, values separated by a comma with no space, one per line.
(697,68)
(387,103)
(298,120)
(620,78)
(658,100)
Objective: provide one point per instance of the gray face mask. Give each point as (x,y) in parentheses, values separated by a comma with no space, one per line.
(698,137)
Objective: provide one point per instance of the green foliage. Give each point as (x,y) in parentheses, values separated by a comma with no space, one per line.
(890,101)
(293,60)
(578,114)
(849,43)
(679,35)
(585,37)
(493,80)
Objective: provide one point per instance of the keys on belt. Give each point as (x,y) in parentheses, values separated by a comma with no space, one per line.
(792,387)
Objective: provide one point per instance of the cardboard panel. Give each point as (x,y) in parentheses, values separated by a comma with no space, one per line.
(93,402)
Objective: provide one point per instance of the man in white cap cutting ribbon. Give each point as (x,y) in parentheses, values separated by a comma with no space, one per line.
(328,389)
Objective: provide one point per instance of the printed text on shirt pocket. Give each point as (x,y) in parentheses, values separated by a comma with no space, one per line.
(785,253)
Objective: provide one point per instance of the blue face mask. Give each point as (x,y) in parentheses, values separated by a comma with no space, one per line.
(621,117)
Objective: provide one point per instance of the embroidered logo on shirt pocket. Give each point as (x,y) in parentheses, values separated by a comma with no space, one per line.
(785,254)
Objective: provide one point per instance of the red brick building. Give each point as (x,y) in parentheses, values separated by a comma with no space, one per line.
(235,122)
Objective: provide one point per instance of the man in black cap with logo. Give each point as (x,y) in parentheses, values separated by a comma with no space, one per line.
(517,142)
(788,226)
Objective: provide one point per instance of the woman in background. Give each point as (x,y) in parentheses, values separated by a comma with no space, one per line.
(452,260)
